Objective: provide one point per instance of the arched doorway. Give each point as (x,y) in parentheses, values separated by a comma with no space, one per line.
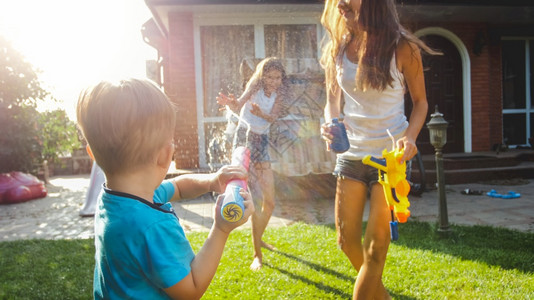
(444,87)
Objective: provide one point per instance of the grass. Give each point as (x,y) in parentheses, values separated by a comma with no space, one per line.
(471,263)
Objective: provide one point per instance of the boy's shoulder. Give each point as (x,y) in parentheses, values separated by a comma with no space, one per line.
(115,202)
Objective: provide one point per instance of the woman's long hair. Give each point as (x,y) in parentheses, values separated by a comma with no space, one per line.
(379,32)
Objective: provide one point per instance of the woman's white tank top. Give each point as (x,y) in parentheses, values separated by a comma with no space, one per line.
(367,115)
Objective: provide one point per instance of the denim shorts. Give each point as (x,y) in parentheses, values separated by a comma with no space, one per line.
(356,170)
(258,144)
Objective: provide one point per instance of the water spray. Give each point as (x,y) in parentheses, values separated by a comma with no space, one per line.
(232,207)
(232,113)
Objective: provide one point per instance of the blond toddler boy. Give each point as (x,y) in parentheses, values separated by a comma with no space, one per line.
(141,249)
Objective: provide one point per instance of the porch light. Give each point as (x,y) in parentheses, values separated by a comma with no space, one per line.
(437,127)
(438,130)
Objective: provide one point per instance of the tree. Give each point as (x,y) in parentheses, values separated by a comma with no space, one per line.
(20,90)
(26,137)
(58,134)
(20,148)
(19,84)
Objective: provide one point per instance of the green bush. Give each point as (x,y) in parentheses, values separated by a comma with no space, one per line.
(58,134)
(27,136)
(20,147)
(20,90)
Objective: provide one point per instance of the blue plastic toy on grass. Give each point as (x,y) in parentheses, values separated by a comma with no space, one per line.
(509,195)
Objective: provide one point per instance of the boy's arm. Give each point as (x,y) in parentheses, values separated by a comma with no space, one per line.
(205,263)
(190,186)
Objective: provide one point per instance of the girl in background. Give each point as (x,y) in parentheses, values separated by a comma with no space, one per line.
(260,105)
(369,61)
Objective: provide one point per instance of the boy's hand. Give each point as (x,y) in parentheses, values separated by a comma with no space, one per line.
(227,227)
(225,174)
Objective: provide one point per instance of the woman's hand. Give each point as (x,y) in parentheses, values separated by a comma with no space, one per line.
(326,135)
(410,149)
(224,100)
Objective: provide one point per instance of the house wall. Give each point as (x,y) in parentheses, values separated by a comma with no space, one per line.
(180,87)
(486,91)
(480,94)
(496,95)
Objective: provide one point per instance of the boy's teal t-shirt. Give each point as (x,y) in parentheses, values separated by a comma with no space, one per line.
(140,246)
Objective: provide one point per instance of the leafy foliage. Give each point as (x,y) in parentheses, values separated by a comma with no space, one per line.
(58,134)
(26,136)
(20,147)
(19,81)
(20,90)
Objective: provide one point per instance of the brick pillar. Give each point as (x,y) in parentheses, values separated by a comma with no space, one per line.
(496,98)
(180,87)
(481,97)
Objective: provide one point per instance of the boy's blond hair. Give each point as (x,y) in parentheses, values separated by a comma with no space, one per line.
(125,123)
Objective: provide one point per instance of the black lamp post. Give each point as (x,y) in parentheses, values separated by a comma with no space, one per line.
(438,138)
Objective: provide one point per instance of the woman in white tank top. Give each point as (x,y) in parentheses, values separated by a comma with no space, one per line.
(369,61)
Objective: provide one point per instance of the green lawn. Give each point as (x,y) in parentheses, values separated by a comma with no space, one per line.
(471,263)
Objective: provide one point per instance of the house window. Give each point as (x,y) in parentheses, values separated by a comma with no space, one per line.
(222,50)
(518,108)
(291,41)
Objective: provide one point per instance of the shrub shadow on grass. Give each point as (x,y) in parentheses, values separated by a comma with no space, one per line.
(315,266)
(318,285)
(322,269)
(501,247)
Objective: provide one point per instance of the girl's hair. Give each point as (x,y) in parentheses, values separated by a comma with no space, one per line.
(378,35)
(255,82)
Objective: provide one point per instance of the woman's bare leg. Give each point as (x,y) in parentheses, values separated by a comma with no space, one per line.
(349,206)
(375,247)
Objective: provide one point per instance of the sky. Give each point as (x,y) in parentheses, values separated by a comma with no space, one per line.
(75,43)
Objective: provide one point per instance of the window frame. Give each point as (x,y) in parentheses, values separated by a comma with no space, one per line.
(529,108)
(258,20)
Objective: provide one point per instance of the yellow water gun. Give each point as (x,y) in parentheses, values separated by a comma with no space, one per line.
(392,177)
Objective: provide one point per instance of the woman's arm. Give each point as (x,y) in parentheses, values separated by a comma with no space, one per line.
(332,110)
(410,64)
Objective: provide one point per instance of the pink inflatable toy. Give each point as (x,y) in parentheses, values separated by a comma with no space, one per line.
(18,187)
